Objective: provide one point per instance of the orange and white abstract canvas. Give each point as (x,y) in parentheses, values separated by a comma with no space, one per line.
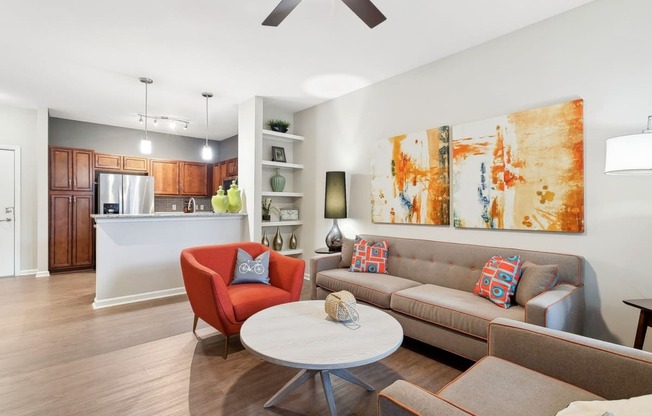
(522,171)
(410,183)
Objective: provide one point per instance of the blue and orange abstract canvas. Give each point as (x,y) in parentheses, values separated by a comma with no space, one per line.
(522,171)
(410,183)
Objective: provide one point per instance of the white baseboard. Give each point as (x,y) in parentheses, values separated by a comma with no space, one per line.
(45,273)
(27,272)
(123,300)
(306,276)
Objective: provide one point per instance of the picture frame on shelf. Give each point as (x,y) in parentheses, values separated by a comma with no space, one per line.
(289,214)
(278,154)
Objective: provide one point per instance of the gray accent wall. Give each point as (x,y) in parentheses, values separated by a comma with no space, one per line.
(229,148)
(123,141)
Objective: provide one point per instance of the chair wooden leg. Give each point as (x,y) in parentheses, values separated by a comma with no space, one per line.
(194,323)
(226,348)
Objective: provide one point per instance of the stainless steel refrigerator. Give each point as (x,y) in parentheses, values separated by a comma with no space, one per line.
(125,194)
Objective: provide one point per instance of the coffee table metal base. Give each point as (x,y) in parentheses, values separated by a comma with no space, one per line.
(304,375)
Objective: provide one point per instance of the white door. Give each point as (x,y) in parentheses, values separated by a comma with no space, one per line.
(7,223)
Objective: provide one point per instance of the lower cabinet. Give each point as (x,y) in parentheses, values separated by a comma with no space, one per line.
(71,231)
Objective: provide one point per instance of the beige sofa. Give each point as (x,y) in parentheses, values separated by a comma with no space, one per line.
(533,371)
(429,290)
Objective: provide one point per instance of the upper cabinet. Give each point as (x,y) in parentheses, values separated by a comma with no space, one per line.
(127,164)
(71,169)
(134,164)
(222,171)
(166,176)
(194,178)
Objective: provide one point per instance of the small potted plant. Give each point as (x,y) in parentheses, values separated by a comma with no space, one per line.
(267,208)
(278,125)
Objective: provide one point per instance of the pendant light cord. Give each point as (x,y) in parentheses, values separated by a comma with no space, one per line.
(146,111)
(207,120)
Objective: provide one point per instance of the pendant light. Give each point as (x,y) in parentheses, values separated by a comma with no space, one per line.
(206,151)
(145,143)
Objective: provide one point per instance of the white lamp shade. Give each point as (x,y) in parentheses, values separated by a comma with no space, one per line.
(629,155)
(146,146)
(207,153)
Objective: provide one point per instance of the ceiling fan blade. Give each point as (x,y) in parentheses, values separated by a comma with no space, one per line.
(280,12)
(366,11)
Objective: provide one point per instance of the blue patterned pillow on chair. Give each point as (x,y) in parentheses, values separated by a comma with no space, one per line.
(250,270)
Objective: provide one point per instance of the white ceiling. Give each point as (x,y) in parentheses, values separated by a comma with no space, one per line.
(82,58)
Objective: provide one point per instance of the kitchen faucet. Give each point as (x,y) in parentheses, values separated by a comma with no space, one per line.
(191,205)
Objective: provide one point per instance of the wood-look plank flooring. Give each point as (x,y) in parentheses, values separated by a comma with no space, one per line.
(58,356)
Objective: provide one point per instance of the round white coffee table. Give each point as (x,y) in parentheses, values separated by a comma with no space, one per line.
(300,335)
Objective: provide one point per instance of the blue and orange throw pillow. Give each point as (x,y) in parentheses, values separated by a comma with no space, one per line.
(499,279)
(369,257)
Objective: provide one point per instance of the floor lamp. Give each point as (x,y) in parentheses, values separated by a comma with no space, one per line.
(335,207)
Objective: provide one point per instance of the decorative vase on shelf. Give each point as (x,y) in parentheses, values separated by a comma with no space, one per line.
(265,241)
(277,181)
(293,241)
(278,240)
(219,201)
(234,200)
(266,217)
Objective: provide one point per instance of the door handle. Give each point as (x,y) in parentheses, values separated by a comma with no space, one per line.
(6,220)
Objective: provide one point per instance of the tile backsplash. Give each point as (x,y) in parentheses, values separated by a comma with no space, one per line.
(166,204)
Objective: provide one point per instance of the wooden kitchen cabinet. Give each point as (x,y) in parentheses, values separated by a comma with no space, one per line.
(166,176)
(104,161)
(134,164)
(71,169)
(232,167)
(71,231)
(222,171)
(194,178)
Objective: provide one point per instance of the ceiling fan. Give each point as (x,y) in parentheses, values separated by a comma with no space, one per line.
(365,10)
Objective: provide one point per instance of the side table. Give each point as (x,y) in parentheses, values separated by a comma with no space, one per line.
(644,320)
(325,250)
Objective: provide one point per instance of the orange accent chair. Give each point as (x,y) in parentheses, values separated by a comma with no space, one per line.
(208,271)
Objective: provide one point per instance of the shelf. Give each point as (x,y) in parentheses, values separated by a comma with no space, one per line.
(280,223)
(291,252)
(281,165)
(283,194)
(282,136)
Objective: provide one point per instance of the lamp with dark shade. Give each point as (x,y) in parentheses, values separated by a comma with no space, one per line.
(335,207)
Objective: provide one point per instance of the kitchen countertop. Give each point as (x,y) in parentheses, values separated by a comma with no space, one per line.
(200,214)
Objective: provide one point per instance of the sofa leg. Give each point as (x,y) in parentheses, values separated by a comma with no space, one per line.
(226,348)
(194,324)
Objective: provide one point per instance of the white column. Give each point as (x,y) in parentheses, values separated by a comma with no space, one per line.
(42,229)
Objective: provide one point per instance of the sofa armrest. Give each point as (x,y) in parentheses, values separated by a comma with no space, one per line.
(608,370)
(561,307)
(318,264)
(403,398)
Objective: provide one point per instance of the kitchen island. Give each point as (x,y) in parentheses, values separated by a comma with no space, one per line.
(137,255)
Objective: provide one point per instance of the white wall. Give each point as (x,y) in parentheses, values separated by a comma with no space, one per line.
(597,52)
(18,127)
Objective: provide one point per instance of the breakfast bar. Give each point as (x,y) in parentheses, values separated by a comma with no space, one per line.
(137,256)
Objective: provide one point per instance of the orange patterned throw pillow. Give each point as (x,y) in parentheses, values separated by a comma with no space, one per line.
(499,279)
(371,258)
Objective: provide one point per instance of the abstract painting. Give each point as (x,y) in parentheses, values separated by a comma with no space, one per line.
(410,179)
(522,171)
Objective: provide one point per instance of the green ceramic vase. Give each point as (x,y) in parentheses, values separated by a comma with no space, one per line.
(277,181)
(219,201)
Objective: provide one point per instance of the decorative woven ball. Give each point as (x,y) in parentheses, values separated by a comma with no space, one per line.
(339,305)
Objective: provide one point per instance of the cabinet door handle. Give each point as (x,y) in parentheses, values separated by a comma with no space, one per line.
(70,200)
(74,199)
(69,182)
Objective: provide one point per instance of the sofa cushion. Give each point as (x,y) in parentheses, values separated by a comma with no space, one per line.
(369,257)
(499,279)
(347,252)
(451,308)
(366,287)
(494,386)
(535,280)
(253,297)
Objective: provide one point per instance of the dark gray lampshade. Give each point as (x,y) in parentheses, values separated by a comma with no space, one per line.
(335,203)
